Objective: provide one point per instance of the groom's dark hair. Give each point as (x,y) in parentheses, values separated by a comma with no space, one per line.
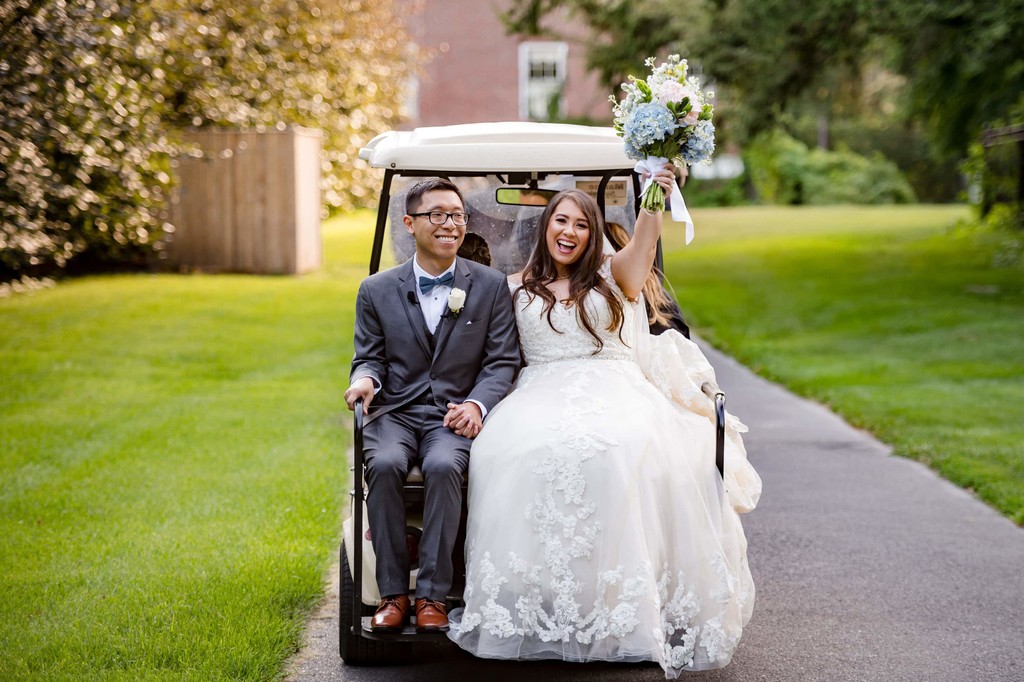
(415,195)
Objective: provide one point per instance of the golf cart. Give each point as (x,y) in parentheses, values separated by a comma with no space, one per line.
(507,173)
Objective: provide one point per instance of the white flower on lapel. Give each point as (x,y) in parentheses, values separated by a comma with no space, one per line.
(456,300)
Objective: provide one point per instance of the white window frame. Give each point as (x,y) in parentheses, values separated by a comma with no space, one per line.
(559,52)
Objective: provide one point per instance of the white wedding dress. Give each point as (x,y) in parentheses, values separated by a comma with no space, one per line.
(599,528)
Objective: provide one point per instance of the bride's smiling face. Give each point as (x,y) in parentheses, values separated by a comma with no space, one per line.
(568,234)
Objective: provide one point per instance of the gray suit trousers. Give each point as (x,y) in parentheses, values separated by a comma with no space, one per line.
(392,443)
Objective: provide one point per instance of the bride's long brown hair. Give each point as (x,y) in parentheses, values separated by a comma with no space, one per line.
(540,270)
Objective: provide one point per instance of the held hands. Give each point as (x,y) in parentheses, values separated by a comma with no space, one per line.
(465,419)
(360,388)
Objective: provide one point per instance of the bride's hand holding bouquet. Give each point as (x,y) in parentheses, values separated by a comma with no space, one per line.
(665,117)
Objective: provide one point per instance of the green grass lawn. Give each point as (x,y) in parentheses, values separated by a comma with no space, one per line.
(885,314)
(172,451)
(172,447)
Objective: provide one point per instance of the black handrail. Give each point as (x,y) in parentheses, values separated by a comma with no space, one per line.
(712,391)
(356,555)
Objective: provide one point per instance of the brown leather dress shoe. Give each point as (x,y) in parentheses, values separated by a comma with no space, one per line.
(391,614)
(431,616)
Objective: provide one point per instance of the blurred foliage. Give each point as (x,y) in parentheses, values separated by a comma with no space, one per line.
(786,171)
(997,172)
(701,193)
(769,55)
(83,156)
(622,32)
(338,65)
(993,177)
(933,177)
(997,175)
(960,64)
(963,61)
(94,94)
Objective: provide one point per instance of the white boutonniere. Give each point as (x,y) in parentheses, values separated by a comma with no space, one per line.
(456,300)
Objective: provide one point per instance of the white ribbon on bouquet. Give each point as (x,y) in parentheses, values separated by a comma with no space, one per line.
(653,164)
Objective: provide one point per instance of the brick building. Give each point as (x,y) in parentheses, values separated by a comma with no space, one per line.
(470,70)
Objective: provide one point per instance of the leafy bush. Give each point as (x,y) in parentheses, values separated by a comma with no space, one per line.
(93,94)
(995,172)
(934,178)
(338,65)
(785,171)
(83,163)
(992,178)
(716,192)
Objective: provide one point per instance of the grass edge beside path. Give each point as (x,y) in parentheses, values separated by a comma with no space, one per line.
(173,465)
(885,314)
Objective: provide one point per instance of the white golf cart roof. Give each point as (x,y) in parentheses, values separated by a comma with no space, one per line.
(496,147)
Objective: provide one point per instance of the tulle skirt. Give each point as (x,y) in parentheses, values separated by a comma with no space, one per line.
(599,527)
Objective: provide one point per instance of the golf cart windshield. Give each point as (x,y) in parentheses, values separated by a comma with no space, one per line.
(506,172)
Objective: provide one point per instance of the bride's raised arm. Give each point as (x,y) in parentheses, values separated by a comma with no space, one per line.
(633,263)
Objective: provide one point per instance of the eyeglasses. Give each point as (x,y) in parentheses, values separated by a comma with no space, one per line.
(440,217)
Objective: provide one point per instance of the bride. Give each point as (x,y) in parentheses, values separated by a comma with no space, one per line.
(599,528)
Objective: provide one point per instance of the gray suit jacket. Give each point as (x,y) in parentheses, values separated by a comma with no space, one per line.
(476,354)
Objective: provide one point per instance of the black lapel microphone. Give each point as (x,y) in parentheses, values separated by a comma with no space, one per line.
(411,295)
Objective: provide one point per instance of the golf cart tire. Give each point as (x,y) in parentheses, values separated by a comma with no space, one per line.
(354,649)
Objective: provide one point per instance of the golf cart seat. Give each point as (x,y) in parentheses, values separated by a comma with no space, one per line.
(415,475)
(414,479)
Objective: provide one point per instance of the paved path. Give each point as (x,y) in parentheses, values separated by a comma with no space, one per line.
(867,566)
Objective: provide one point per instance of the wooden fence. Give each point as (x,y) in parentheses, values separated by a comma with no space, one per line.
(249,202)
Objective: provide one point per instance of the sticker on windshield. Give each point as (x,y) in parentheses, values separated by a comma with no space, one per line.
(615,193)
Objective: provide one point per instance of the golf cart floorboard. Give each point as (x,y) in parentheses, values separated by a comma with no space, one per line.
(408,633)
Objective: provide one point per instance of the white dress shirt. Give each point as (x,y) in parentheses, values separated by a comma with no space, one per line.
(432,303)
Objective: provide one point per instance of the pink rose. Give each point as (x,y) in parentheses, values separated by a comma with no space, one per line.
(673,91)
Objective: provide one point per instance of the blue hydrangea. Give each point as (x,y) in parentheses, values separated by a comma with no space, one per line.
(649,123)
(634,152)
(700,144)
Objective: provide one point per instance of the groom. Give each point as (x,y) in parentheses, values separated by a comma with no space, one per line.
(435,348)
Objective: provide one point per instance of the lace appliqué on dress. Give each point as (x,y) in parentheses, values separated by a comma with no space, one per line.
(560,515)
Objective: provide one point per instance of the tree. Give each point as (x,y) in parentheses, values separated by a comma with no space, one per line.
(94,93)
(963,61)
(623,33)
(338,65)
(769,55)
(83,161)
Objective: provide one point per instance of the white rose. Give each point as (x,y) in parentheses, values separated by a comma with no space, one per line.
(456,299)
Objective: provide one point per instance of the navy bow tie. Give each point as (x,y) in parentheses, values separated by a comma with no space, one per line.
(428,283)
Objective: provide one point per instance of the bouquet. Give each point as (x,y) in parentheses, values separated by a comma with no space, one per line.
(665,117)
